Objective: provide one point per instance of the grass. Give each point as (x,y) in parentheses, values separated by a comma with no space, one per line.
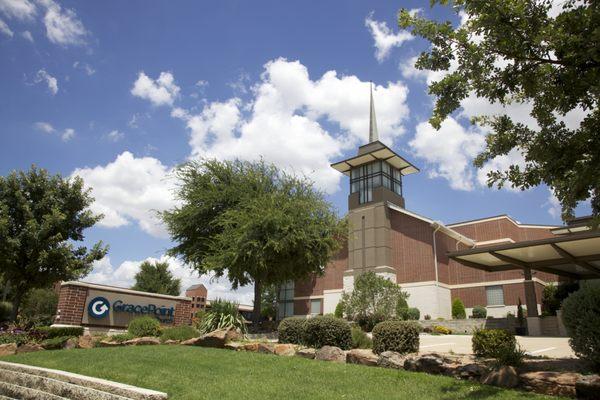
(198,373)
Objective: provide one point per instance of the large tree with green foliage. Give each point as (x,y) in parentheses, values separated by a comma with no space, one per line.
(253,223)
(41,219)
(156,278)
(541,52)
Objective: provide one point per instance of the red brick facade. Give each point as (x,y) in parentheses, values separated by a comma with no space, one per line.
(71,302)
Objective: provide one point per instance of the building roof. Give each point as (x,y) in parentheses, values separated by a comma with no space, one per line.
(372,152)
(574,255)
(501,216)
(194,287)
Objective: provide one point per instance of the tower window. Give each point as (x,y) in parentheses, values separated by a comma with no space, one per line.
(368,176)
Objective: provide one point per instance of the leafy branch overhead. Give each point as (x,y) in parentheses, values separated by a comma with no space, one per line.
(524,51)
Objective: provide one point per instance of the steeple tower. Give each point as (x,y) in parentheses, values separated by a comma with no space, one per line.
(373,134)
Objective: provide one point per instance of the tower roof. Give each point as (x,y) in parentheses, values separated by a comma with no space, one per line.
(375,151)
(373,134)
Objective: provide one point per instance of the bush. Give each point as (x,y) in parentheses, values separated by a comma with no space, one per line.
(360,340)
(412,314)
(144,326)
(223,314)
(399,336)
(458,309)
(339,310)
(50,332)
(291,330)
(441,330)
(5,310)
(493,343)
(368,321)
(14,337)
(507,355)
(121,337)
(479,312)
(581,316)
(181,333)
(327,331)
(39,306)
(55,343)
(427,317)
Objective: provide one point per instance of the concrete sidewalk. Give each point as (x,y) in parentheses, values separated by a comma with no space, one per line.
(555,347)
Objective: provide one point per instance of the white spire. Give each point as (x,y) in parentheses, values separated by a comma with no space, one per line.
(373,134)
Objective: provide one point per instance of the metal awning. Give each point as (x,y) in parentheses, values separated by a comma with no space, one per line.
(575,256)
(380,152)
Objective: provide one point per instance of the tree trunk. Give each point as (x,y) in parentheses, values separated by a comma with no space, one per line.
(257,304)
(5,290)
(15,305)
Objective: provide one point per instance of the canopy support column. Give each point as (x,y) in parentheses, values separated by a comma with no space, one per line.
(530,297)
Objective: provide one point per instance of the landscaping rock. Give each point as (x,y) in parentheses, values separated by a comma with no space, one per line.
(8,349)
(362,357)
(29,348)
(85,342)
(253,347)
(505,376)
(235,346)
(171,341)
(330,353)
(108,343)
(551,383)
(71,343)
(430,363)
(588,387)
(391,359)
(143,341)
(217,338)
(191,342)
(284,349)
(306,353)
(266,348)
(471,371)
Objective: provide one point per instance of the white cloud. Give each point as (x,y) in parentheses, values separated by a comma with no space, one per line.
(554,207)
(85,67)
(285,120)
(130,189)
(384,38)
(45,127)
(62,26)
(20,9)
(5,29)
(501,163)
(161,91)
(68,134)
(115,135)
(52,82)
(124,276)
(27,36)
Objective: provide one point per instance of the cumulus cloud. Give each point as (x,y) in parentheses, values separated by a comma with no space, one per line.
(19,9)
(161,91)
(553,206)
(384,39)
(5,29)
(52,82)
(298,123)
(45,127)
(63,27)
(130,189)
(68,134)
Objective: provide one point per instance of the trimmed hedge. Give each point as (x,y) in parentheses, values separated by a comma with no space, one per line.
(492,342)
(479,312)
(399,336)
(144,326)
(50,332)
(182,332)
(327,331)
(368,321)
(291,330)
(581,316)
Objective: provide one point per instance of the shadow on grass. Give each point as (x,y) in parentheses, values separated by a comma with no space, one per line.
(477,391)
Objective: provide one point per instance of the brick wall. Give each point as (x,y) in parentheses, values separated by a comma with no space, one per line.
(183,311)
(71,302)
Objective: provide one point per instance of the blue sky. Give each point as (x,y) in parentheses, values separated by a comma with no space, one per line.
(120,92)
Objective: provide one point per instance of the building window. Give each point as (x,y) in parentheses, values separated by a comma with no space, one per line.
(368,176)
(315,306)
(495,295)
(286,300)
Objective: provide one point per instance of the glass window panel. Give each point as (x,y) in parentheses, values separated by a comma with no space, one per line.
(386,168)
(495,295)
(315,306)
(289,309)
(377,166)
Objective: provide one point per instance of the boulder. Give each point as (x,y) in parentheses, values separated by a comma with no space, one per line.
(285,349)
(391,359)
(171,341)
(71,343)
(505,376)
(143,341)
(191,342)
(266,348)
(361,356)
(306,353)
(471,371)
(218,338)
(85,342)
(330,353)
(29,348)
(430,363)
(109,343)
(588,387)
(235,346)
(253,347)
(551,382)
(8,349)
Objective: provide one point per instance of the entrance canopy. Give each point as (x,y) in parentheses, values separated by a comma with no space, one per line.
(575,256)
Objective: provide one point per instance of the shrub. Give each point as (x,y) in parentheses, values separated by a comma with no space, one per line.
(413,314)
(441,330)
(291,330)
(50,332)
(39,306)
(372,294)
(458,309)
(368,321)
(581,316)
(144,326)
(55,343)
(121,337)
(327,331)
(223,314)
(339,310)
(493,342)
(479,312)
(553,296)
(360,340)
(399,336)
(507,355)
(14,337)
(5,310)
(181,333)
(427,317)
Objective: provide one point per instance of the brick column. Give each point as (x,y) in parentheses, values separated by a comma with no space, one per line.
(183,311)
(71,302)
(530,298)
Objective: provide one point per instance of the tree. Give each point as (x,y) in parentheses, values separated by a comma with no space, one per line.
(253,223)
(538,53)
(458,309)
(269,302)
(41,218)
(39,306)
(373,295)
(156,278)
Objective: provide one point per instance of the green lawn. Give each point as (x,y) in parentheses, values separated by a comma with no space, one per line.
(198,373)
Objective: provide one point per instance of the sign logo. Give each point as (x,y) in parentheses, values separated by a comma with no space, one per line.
(98,307)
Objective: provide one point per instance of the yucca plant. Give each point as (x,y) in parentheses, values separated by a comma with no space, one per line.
(223,314)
